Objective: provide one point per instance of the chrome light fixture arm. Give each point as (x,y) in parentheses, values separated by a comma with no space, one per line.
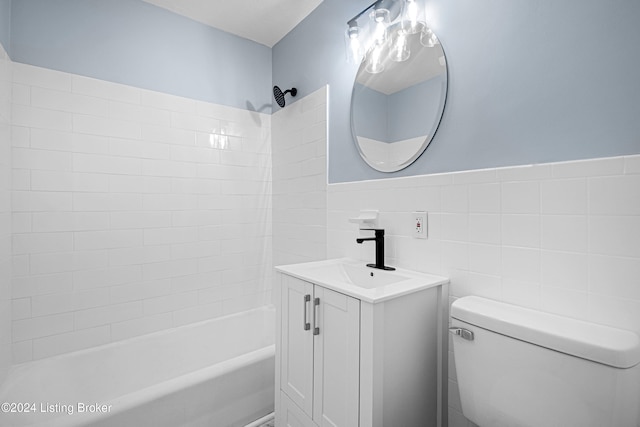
(353,22)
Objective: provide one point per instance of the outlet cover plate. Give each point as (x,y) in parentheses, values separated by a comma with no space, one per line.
(419,225)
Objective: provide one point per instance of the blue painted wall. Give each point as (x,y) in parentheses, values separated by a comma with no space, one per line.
(529,82)
(5,25)
(138,44)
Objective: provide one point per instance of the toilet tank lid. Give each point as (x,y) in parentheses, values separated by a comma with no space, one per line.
(603,344)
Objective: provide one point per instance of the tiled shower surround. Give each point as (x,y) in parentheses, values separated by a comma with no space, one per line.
(299,180)
(133,211)
(5,213)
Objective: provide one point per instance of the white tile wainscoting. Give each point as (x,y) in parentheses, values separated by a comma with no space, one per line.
(133,211)
(558,237)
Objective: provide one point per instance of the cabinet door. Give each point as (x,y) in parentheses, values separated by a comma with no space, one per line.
(336,359)
(296,368)
(291,415)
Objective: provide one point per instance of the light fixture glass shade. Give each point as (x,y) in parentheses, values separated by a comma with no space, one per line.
(375,63)
(413,16)
(428,38)
(353,44)
(380,14)
(400,52)
(380,18)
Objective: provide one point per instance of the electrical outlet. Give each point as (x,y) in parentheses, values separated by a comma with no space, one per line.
(419,225)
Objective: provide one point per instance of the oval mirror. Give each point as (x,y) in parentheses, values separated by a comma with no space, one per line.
(398,98)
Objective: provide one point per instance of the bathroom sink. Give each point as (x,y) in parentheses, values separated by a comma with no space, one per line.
(354,278)
(365,277)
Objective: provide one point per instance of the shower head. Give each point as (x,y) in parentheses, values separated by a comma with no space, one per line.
(279,94)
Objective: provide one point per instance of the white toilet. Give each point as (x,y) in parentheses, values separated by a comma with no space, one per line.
(521,367)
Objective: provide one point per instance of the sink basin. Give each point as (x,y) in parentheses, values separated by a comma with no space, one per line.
(354,278)
(360,275)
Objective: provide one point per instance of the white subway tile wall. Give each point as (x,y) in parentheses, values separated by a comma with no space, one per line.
(5,213)
(133,211)
(300,180)
(561,238)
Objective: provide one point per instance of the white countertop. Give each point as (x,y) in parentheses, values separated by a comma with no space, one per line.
(354,278)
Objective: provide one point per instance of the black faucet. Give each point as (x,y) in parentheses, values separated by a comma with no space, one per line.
(379,239)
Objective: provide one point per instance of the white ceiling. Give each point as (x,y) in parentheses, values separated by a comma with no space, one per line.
(263,21)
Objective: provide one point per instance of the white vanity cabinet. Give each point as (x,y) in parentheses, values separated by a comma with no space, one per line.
(320,352)
(348,360)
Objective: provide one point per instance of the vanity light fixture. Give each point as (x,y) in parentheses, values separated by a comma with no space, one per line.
(370,36)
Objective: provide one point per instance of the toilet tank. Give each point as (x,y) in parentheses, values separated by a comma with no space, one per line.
(521,367)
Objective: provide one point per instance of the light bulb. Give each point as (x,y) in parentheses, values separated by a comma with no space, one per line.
(374,64)
(353,45)
(353,32)
(400,52)
(412,17)
(380,33)
(412,13)
(380,19)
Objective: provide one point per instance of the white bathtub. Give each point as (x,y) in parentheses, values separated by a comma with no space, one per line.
(216,373)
